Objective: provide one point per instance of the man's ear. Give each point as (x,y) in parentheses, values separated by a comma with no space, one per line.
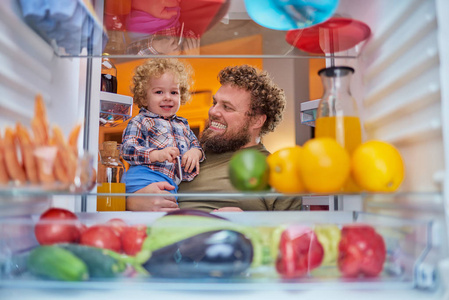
(258,121)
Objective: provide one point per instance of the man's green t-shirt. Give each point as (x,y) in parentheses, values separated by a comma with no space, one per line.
(214,179)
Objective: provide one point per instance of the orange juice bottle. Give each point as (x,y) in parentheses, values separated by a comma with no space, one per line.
(110,172)
(345,129)
(337,115)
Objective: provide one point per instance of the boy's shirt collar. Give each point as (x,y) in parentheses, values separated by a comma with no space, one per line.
(150,114)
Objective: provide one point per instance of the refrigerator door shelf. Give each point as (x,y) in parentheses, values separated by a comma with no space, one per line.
(309,111)
(114,109)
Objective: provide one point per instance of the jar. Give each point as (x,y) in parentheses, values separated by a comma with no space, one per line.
(110,172)
(108,75)
(337,114)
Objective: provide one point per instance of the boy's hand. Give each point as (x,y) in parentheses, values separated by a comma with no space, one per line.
(191,160)
(167,154)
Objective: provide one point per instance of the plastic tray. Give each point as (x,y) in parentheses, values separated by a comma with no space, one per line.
(114,109)
(407,244)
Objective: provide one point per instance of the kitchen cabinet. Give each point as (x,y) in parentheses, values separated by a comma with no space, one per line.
(400,71)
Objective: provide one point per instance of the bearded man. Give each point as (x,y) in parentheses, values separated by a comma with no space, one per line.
(247,106)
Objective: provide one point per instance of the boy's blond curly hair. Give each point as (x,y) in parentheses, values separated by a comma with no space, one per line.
(266,97)
(155,68)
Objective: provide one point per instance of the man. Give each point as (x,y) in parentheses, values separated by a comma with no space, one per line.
(247,106)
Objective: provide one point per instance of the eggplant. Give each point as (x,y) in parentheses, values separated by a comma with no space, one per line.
(193,212)
(218,253)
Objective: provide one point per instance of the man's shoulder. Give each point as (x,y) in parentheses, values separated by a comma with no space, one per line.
(261,148)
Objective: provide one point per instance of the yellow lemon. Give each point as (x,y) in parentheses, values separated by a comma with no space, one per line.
(325,165)
(377,166)
(285,175)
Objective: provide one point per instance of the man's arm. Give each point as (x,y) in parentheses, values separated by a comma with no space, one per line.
(284,203)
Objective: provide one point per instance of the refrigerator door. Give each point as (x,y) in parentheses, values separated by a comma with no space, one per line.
(400,83)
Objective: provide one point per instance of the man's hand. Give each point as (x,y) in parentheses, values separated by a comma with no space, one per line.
(167,154)
(165,202)
(228,209)
(191,160)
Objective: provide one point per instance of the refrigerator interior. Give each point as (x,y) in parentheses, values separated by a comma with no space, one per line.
(400,85)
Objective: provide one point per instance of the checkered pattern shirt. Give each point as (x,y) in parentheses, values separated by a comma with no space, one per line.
(148,131)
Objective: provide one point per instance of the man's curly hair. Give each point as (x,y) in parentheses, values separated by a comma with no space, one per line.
(266,97)
(155,68)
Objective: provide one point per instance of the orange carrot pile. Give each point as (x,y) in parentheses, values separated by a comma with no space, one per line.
(41,157)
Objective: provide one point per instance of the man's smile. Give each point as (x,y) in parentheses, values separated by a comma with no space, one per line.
(215,125)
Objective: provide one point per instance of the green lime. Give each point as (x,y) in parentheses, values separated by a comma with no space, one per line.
(249,171)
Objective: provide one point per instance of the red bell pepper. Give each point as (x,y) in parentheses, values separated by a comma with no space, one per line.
(299,252)
(361,251)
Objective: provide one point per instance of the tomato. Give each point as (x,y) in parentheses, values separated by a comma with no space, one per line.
(299,252)
(133,238)
(101,236)
(117,225)
(285,173)
(82,228)
(57,225)
(361,251)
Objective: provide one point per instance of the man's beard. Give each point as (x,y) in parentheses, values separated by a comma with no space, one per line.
(225,142)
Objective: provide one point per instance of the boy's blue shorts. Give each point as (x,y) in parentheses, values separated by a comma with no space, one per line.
(138,177)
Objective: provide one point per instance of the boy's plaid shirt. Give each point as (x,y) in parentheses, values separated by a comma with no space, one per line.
(148,131)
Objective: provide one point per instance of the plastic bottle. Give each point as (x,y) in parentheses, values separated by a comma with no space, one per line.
(337,115)
(108,75)
(110,172)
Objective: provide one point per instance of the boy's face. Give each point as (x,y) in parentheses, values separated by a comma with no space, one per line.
(163,95)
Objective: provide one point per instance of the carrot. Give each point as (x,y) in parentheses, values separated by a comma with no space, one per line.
(60,172)
(15,169)
(38,132)
(4,177)
(27,148)
(45,163)
(73,136)
(40,121)
(68,160)
(45,156)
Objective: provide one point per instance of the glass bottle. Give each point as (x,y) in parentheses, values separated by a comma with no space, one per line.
(108,75)
(337,115)
(114,19)
(110,172)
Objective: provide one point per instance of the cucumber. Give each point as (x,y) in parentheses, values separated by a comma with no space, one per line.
(99,263)
(56,263)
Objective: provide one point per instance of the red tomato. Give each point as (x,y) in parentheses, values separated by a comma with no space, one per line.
(299,252)
(361,251)
(82,228)
(117,225)
(57,225)
(101,236)
(133,238)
